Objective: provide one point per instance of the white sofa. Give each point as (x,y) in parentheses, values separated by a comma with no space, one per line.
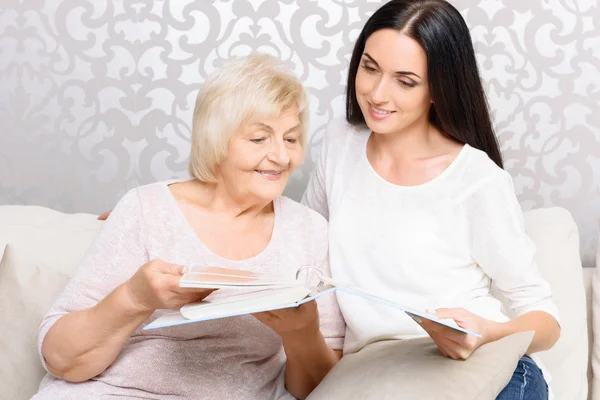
(45,247)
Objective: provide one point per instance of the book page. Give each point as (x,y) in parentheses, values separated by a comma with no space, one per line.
(408,310)
(221,277)
(244,303)
(240,304)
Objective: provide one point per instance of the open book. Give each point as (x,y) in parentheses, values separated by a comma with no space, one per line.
(261,292)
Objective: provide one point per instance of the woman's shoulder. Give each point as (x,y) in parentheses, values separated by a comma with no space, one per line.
(301,216)
(159,188)
(479,169)
(481,177)
(339,131)
(339,126)
(305,228)
(341,141)
(150,198)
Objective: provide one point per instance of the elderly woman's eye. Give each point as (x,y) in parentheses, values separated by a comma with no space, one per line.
(291,140)
(259,140)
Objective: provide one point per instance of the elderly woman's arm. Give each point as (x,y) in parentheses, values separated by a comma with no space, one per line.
(108,298)
(309,357)
(82,344)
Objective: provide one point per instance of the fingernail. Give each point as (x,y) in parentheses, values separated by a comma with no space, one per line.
(184,269)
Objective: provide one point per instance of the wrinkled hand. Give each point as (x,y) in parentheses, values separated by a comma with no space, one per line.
(155,286)
(292,321)
(452,343)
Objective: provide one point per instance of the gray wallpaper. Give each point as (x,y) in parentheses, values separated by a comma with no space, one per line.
(96,97)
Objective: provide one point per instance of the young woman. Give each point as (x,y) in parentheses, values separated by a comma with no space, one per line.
(418,203)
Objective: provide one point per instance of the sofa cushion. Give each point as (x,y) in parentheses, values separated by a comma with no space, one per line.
(596,327)
(43,229)
(556,237)
(44,248)
(27,289)
(415,369)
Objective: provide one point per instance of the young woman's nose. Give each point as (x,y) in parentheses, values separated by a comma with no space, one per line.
(379,93)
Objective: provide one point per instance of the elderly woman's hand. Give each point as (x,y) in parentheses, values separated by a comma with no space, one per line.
(292,321)
(155,286)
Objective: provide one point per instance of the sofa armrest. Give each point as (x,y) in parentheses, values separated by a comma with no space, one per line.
(588,275)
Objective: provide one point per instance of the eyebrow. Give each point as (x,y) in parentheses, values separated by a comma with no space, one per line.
(395,73)
(270,129)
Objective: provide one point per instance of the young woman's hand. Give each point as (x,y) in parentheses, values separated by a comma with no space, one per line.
(452,343)
(104,216)
(155,286)
(295,322)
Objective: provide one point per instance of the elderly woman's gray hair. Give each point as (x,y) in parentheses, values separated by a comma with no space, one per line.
(242,92)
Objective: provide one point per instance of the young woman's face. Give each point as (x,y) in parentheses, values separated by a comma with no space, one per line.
(262,155)
(391,83)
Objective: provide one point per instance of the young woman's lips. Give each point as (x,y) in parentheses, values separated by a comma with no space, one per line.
(379,114)
(270,175)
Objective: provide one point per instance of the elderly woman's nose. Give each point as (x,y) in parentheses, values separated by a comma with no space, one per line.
(280,153)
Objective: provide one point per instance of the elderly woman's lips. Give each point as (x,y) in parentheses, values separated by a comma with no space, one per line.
(270,175)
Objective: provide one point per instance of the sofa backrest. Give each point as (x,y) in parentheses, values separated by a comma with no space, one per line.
(555,235)
(44,249)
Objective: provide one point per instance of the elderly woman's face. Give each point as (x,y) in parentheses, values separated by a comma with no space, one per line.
(262,155)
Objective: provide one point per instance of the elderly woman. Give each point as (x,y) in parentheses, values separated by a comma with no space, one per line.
(249,133)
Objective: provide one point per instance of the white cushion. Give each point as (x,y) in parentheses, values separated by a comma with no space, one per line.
(42,229)
(556,237)
(27,289)
(44,248)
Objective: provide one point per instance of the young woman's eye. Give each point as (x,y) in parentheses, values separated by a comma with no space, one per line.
(258,140)
(407,84)
(368,68)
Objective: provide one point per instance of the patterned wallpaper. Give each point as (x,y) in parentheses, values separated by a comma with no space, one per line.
(96,97)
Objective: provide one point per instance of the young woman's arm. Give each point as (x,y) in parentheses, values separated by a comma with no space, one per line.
(547,329)
(501,247)
(505,252)
(460,346)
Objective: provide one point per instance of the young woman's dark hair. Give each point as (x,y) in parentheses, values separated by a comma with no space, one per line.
(459,107)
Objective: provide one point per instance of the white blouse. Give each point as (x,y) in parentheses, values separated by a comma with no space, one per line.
(439,244)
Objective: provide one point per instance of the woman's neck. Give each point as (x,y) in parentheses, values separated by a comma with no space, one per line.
(415,142)
(218,198)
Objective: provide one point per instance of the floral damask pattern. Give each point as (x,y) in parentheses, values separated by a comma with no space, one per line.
(96,97)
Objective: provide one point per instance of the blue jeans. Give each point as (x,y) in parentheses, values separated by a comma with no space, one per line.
(527,383)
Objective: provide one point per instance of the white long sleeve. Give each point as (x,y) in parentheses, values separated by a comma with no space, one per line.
(503,250)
